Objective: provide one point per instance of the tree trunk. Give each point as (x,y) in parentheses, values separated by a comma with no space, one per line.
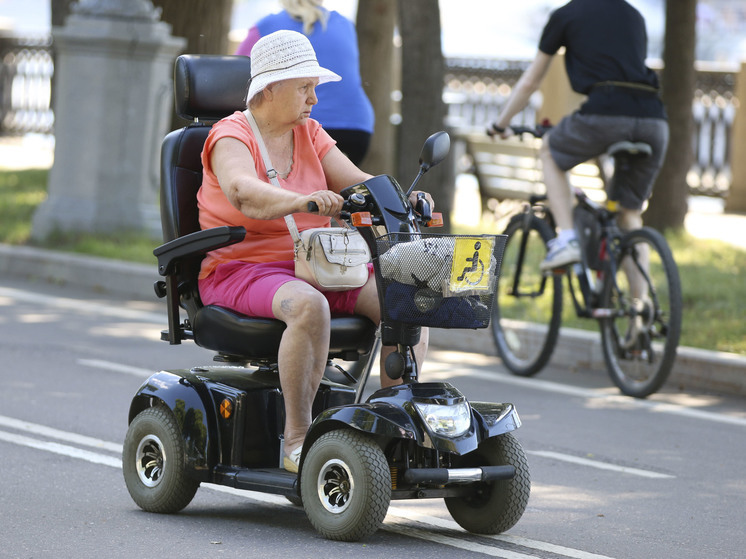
(379,69)
(422,107)
(668,205)
(60,11)
(205,26)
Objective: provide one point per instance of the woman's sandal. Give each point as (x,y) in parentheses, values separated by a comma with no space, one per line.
(290,462)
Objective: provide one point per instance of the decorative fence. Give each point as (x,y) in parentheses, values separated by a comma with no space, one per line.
(475,90)
(26,69)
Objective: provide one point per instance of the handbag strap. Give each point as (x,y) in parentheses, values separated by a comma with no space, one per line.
(272,174)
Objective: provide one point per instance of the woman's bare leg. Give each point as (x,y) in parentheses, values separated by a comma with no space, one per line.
(303,354)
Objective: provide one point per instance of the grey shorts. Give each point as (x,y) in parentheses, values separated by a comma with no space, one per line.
(580,137)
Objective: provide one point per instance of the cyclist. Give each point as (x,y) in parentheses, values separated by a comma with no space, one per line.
(605,47)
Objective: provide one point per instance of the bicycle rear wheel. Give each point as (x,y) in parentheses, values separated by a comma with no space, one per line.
(527,312)
(639,342)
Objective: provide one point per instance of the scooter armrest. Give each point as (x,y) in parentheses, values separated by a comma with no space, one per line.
(194,244)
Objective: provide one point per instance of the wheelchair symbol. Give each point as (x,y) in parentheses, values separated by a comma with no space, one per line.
(475,264)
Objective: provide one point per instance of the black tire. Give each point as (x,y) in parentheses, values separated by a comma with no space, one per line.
(345,485)
(525,326)
(153,463)
(640,364)
(294,500)
(498,505)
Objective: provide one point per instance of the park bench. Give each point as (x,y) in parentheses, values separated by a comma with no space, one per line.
(510,170)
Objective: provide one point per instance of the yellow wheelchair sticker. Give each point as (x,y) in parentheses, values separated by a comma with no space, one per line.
(471,264)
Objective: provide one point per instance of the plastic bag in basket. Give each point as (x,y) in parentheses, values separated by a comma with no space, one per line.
(422,262)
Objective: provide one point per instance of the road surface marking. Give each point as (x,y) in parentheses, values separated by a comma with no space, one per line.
(598,464)
(398,520)
(116,367)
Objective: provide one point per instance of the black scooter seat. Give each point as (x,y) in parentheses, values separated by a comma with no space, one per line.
(232,333)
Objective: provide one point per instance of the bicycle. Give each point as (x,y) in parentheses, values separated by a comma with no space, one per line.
(639,335)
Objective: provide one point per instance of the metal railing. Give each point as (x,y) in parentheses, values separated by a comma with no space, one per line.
(26,70)
(475,90)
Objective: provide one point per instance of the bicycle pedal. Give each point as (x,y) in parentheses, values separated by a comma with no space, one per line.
(556,272)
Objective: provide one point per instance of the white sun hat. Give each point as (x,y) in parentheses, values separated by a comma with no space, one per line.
(284,55)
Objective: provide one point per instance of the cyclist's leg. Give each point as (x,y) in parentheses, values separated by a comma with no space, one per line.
(573,141)
(628,220)
(631,187)
(557,183)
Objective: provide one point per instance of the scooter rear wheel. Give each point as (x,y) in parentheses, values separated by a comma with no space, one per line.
(153,463)
(345,485)
(495,506)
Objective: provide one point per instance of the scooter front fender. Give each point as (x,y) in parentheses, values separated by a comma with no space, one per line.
(379,418)
(182,397)
(495,419)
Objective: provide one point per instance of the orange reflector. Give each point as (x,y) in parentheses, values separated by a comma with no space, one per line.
(436,221)
(361,219)
(226,408)
(612,205)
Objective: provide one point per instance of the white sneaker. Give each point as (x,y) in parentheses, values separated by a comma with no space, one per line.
(560,256)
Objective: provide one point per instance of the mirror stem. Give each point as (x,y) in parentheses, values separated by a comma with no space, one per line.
(423,169)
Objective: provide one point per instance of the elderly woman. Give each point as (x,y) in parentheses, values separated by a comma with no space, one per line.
(256,276)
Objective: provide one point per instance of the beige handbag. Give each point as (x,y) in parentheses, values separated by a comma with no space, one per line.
(329,258)
(332,258)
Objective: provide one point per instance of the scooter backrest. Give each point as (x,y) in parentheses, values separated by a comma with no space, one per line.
(210,87)
(206,89)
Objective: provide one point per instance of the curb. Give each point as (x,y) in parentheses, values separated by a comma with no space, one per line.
(694,368)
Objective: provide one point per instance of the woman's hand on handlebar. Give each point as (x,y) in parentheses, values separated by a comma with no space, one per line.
(323,202)
(418,196)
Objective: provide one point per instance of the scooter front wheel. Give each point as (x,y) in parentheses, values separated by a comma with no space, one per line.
(153,463)
(345,485)
(493,507)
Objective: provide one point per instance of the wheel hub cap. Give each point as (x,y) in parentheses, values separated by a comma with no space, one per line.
(335,486)
(150,460)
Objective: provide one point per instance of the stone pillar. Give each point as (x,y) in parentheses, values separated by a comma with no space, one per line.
(736,201)
(113,103)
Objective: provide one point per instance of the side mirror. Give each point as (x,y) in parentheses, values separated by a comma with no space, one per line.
(435,150)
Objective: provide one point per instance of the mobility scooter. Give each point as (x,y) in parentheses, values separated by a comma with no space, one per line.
(223,423)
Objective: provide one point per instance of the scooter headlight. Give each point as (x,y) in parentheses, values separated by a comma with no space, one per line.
(446,420)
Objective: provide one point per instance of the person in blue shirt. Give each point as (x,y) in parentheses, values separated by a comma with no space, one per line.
(343,108)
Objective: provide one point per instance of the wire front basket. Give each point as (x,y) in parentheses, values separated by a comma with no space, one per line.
(441,281)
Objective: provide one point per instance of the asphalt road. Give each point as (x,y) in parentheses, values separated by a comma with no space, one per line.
(612,477)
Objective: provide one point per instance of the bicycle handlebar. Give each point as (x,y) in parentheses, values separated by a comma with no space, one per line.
(538,131)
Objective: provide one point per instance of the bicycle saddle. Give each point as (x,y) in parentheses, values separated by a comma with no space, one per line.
(632,148)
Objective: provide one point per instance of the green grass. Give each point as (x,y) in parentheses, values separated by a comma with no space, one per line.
(712,273)
(712,278)
(22,191)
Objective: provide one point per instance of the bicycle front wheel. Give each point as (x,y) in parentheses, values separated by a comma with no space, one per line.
(640,339)
(527,312)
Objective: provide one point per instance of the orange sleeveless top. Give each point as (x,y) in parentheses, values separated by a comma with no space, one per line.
(266,240)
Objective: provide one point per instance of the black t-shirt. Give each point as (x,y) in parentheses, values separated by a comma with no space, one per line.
(605,41)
